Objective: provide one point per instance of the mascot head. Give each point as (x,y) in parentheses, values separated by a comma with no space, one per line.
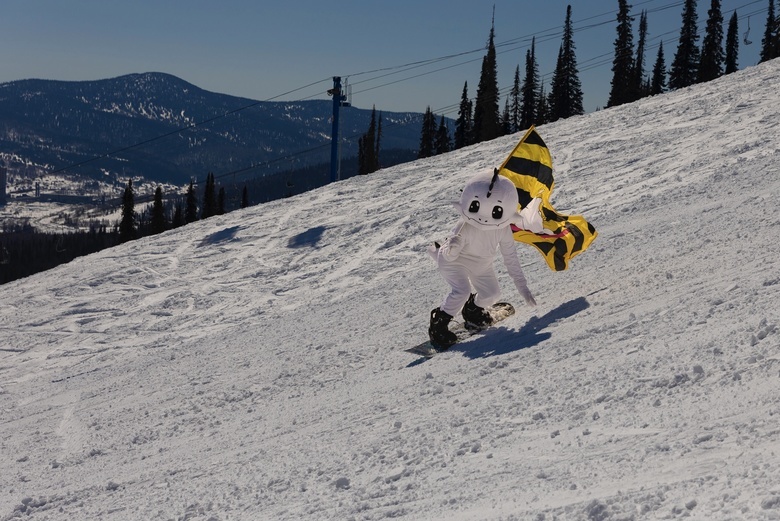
(489,201)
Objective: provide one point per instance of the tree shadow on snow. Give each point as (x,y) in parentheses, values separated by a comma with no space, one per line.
(501,341)
(310,237)
(226,235)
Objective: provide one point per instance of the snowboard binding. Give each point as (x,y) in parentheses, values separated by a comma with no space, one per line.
(439,332)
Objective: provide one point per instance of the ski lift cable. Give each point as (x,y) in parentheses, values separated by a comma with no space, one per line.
(525,40)
(398,69)
(599,61)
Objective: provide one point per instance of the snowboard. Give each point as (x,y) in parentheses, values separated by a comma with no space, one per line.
(498,312)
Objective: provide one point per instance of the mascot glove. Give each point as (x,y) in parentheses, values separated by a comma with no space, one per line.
(529,299)
(530,218)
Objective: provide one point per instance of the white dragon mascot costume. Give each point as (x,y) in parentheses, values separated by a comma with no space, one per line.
(488,205)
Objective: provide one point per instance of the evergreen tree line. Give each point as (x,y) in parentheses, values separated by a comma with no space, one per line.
(692,64)
(770,43)
(528,103)
(25,251)
(162,216)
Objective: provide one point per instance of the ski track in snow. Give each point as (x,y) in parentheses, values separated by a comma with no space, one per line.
(251,366)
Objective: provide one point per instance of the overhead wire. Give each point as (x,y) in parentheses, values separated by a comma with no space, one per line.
(395,69)
(598,61)
(380,73)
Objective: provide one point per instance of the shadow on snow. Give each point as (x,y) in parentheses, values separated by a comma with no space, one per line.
(501,341)
(309,238)
(225,235)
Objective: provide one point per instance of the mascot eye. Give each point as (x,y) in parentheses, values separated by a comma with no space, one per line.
(474,207)
(498,212)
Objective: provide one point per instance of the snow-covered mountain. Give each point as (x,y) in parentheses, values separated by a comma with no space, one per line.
(51,125)
(251,366)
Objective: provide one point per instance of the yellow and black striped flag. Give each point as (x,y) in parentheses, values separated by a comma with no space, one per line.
(530,168)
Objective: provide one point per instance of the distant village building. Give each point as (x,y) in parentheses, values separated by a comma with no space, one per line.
(3,183)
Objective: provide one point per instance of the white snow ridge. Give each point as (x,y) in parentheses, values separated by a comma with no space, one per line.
(251,366)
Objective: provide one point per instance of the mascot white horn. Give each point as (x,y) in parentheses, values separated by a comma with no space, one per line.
(487,207)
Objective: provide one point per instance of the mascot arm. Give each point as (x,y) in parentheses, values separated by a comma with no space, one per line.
(452,247)
(515,270)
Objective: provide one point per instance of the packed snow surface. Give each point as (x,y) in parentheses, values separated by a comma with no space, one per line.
(252,366)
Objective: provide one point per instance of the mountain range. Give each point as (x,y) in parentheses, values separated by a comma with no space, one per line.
(159,127)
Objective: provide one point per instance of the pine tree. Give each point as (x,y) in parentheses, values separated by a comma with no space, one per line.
(566,89)
(191,212)
(369,140)
(362,168)
(245,198)
(486,118)
(658,82)
(623,78)
(640,87)
(516,100)
(528,115)
(427,135)
(159,223)
(769,41)
(442,143)
(543,107)
(378,142)
(712,57)
(128,221)
(221,201)
(368,148)
(209,198)
(178,216)
(505,123)
(464,125)
(684,72)
(776,45)
(732,46)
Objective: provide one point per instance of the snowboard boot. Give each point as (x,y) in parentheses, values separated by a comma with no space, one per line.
(474,316)
(439,333)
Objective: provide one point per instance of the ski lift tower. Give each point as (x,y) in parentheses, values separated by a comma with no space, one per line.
(339,100)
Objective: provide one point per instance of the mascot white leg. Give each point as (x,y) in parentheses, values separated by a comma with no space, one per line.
(485,282)
(457,276)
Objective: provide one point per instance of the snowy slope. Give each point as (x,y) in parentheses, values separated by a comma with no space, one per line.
(251,366)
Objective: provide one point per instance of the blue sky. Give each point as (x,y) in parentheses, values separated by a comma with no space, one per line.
(290,50)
